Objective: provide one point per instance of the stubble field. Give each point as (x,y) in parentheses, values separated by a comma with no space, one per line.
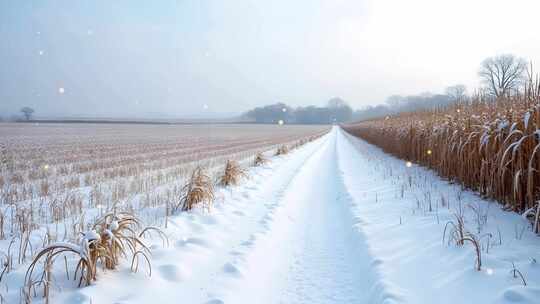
(58,179)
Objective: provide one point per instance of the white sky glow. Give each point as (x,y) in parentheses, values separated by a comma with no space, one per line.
(181,58)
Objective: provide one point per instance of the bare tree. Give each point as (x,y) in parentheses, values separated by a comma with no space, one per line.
(456,92)
(27,112)
(502,74)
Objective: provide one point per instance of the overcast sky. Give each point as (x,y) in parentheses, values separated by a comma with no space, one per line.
(198,57)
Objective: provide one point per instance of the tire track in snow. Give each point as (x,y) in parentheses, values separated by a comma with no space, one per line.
(313,251)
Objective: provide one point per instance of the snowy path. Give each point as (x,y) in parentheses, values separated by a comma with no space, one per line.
(312,254)
(336,221)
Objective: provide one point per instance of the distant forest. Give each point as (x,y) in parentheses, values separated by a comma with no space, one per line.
(398,104)
(339,111)
(336,111)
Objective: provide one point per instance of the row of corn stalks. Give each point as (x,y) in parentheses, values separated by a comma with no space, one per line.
(489,146)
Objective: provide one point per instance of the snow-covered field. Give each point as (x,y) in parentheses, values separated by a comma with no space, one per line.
(335,221)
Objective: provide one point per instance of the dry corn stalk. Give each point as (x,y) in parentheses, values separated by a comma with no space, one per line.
(232,174)
(490,146)
(112,237)
(259,160)
(198,191)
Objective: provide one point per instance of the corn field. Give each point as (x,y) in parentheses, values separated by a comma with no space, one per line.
(489,146)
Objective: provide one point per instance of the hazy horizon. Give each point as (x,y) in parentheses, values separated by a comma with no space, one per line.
(212,59)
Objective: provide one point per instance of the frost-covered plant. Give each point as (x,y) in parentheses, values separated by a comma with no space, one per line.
(232,174)
(480,215)
(88,252)
(282,150)
(112,237)
(515,273)
(534,214)
(198,191)
(117,233)
(471,238)
(259,160)
(457,231)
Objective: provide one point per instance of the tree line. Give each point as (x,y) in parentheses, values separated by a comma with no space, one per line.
(335,111)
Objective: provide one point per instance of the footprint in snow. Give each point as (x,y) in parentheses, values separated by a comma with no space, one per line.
(521,294)
(172,273)
(231,269)
(246,195)
(247,243)
(250,241)
(192,241)
(376,262)
(239,213)
(235,253)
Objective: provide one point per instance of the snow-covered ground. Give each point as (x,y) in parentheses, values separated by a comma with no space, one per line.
(336,221)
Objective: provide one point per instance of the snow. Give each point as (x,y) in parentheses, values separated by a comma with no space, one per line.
(526,118)
(336,221)
(91,236)
(114,225)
